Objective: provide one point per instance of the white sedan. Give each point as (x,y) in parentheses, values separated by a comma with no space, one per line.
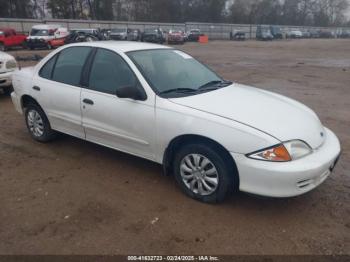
(161,104)
(8,64)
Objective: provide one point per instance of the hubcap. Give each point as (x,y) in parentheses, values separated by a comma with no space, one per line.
(35,123)
(199,174)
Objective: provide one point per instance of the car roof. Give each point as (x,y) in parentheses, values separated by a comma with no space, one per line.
(122,46)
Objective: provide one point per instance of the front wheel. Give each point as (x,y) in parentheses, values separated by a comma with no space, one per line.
(38,125)
(203,173)
(2,47)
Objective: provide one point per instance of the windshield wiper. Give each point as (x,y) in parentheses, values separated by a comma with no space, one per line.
(178,90)
(212,85)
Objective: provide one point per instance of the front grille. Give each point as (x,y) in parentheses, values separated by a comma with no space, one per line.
(36,40)
(116,37)
(302,184)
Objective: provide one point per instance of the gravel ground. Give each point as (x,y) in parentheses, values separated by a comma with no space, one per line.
(75,197)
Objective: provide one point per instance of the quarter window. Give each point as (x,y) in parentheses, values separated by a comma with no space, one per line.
(46,70)
(69,65)
(109,72)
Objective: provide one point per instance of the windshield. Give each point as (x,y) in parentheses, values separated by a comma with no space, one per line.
(151,31)
(275,29)
(118,30)
(169,69)
(87,31)
(265,30)
(39,32)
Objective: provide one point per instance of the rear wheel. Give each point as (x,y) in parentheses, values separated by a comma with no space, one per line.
(203,173)
(37,123)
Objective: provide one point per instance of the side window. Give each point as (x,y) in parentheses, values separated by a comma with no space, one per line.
(109,72)
(69,65)
(46,70)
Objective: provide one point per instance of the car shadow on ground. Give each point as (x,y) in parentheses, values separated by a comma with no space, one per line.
(133,164)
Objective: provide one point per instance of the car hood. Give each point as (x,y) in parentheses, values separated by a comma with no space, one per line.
(281,117)
(5,57)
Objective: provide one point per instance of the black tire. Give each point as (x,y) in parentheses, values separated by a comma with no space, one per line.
(2,47)
(8,90)
(48,134)
(227,174)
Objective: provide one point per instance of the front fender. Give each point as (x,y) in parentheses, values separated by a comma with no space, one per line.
(173,120)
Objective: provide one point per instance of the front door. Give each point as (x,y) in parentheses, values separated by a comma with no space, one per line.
(124,124)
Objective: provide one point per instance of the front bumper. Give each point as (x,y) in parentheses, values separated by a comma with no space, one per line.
(288,179)
(5,79)
(36,43)
(175,39)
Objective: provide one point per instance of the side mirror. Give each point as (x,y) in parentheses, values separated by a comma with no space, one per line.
(131,92)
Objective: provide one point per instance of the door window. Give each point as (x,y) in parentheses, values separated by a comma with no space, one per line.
(109,71)
(69,65)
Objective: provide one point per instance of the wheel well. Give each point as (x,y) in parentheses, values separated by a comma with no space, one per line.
(26,100)
(180,141)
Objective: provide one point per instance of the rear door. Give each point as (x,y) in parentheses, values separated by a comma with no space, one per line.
(15,38)
(57,89)
(123,124)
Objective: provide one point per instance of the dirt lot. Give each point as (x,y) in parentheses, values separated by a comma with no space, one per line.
(74,197)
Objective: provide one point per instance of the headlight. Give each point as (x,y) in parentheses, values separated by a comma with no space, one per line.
(297,149)
(288,151)
(11,64)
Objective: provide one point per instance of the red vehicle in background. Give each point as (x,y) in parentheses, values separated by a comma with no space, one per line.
(54,43)
(10,38)
(176,37)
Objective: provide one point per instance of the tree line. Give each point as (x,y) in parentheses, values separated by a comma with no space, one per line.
(282,12)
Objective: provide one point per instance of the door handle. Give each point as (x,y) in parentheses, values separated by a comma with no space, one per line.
(36,88)
(88,101)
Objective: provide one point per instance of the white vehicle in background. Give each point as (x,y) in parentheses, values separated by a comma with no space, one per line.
(161,104)
(8,65)
(41,35)
(294,34)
